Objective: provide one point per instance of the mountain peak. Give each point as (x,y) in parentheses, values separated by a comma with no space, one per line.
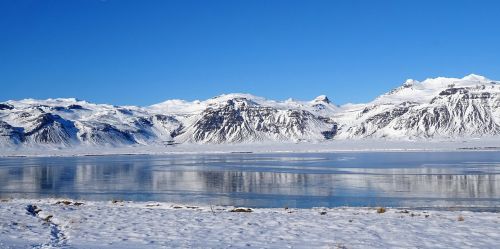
(475,77)
(322,98)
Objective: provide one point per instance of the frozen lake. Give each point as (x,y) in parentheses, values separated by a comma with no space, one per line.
(409,179)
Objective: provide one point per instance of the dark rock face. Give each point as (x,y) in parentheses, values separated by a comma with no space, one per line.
(454,112)
(331,133)
(319,107)
(178,131)
(48,128)
(25,115)
(241,120)
(142,122)
(377,121)
(141,129)
(125,111)
(451,91)
(105,134)
(168,123)
(217,123)
(326,100)
(59,108)
(5,107)
(423,121)
(383,119)
(75,107)
(164,119)
(10,134)
(69,108)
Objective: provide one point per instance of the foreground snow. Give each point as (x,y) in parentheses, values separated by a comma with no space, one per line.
(165,225)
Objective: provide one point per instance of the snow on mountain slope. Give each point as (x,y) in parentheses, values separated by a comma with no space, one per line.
(433,108)
(222,119)
(425,91)
(245,118)
(186,108)
(68,122)
(10,136)
(440,107)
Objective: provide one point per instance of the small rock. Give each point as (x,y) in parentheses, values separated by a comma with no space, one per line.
(47,219)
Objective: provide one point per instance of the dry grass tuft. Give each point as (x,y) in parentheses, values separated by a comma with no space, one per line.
(340,246)
(67,203)
(241,210)
(381,210)
(64,202)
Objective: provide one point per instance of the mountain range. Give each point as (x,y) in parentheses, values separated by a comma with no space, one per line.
(434,108)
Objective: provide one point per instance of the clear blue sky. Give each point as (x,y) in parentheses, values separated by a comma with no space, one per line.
(144,52)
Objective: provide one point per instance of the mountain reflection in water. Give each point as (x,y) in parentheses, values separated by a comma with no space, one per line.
(264,180)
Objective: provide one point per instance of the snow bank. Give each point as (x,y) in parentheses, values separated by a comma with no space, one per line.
(53,223)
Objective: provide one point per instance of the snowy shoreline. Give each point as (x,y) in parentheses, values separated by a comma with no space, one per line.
(56,223)
(339,146)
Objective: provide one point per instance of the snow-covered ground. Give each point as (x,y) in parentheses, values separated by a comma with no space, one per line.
(352,145)
(54,224)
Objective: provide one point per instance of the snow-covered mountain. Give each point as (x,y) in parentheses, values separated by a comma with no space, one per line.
(439,107)
(235,118)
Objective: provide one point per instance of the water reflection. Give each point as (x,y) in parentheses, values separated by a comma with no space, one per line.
(356,179)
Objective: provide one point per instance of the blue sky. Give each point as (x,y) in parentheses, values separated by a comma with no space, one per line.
(144,52)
